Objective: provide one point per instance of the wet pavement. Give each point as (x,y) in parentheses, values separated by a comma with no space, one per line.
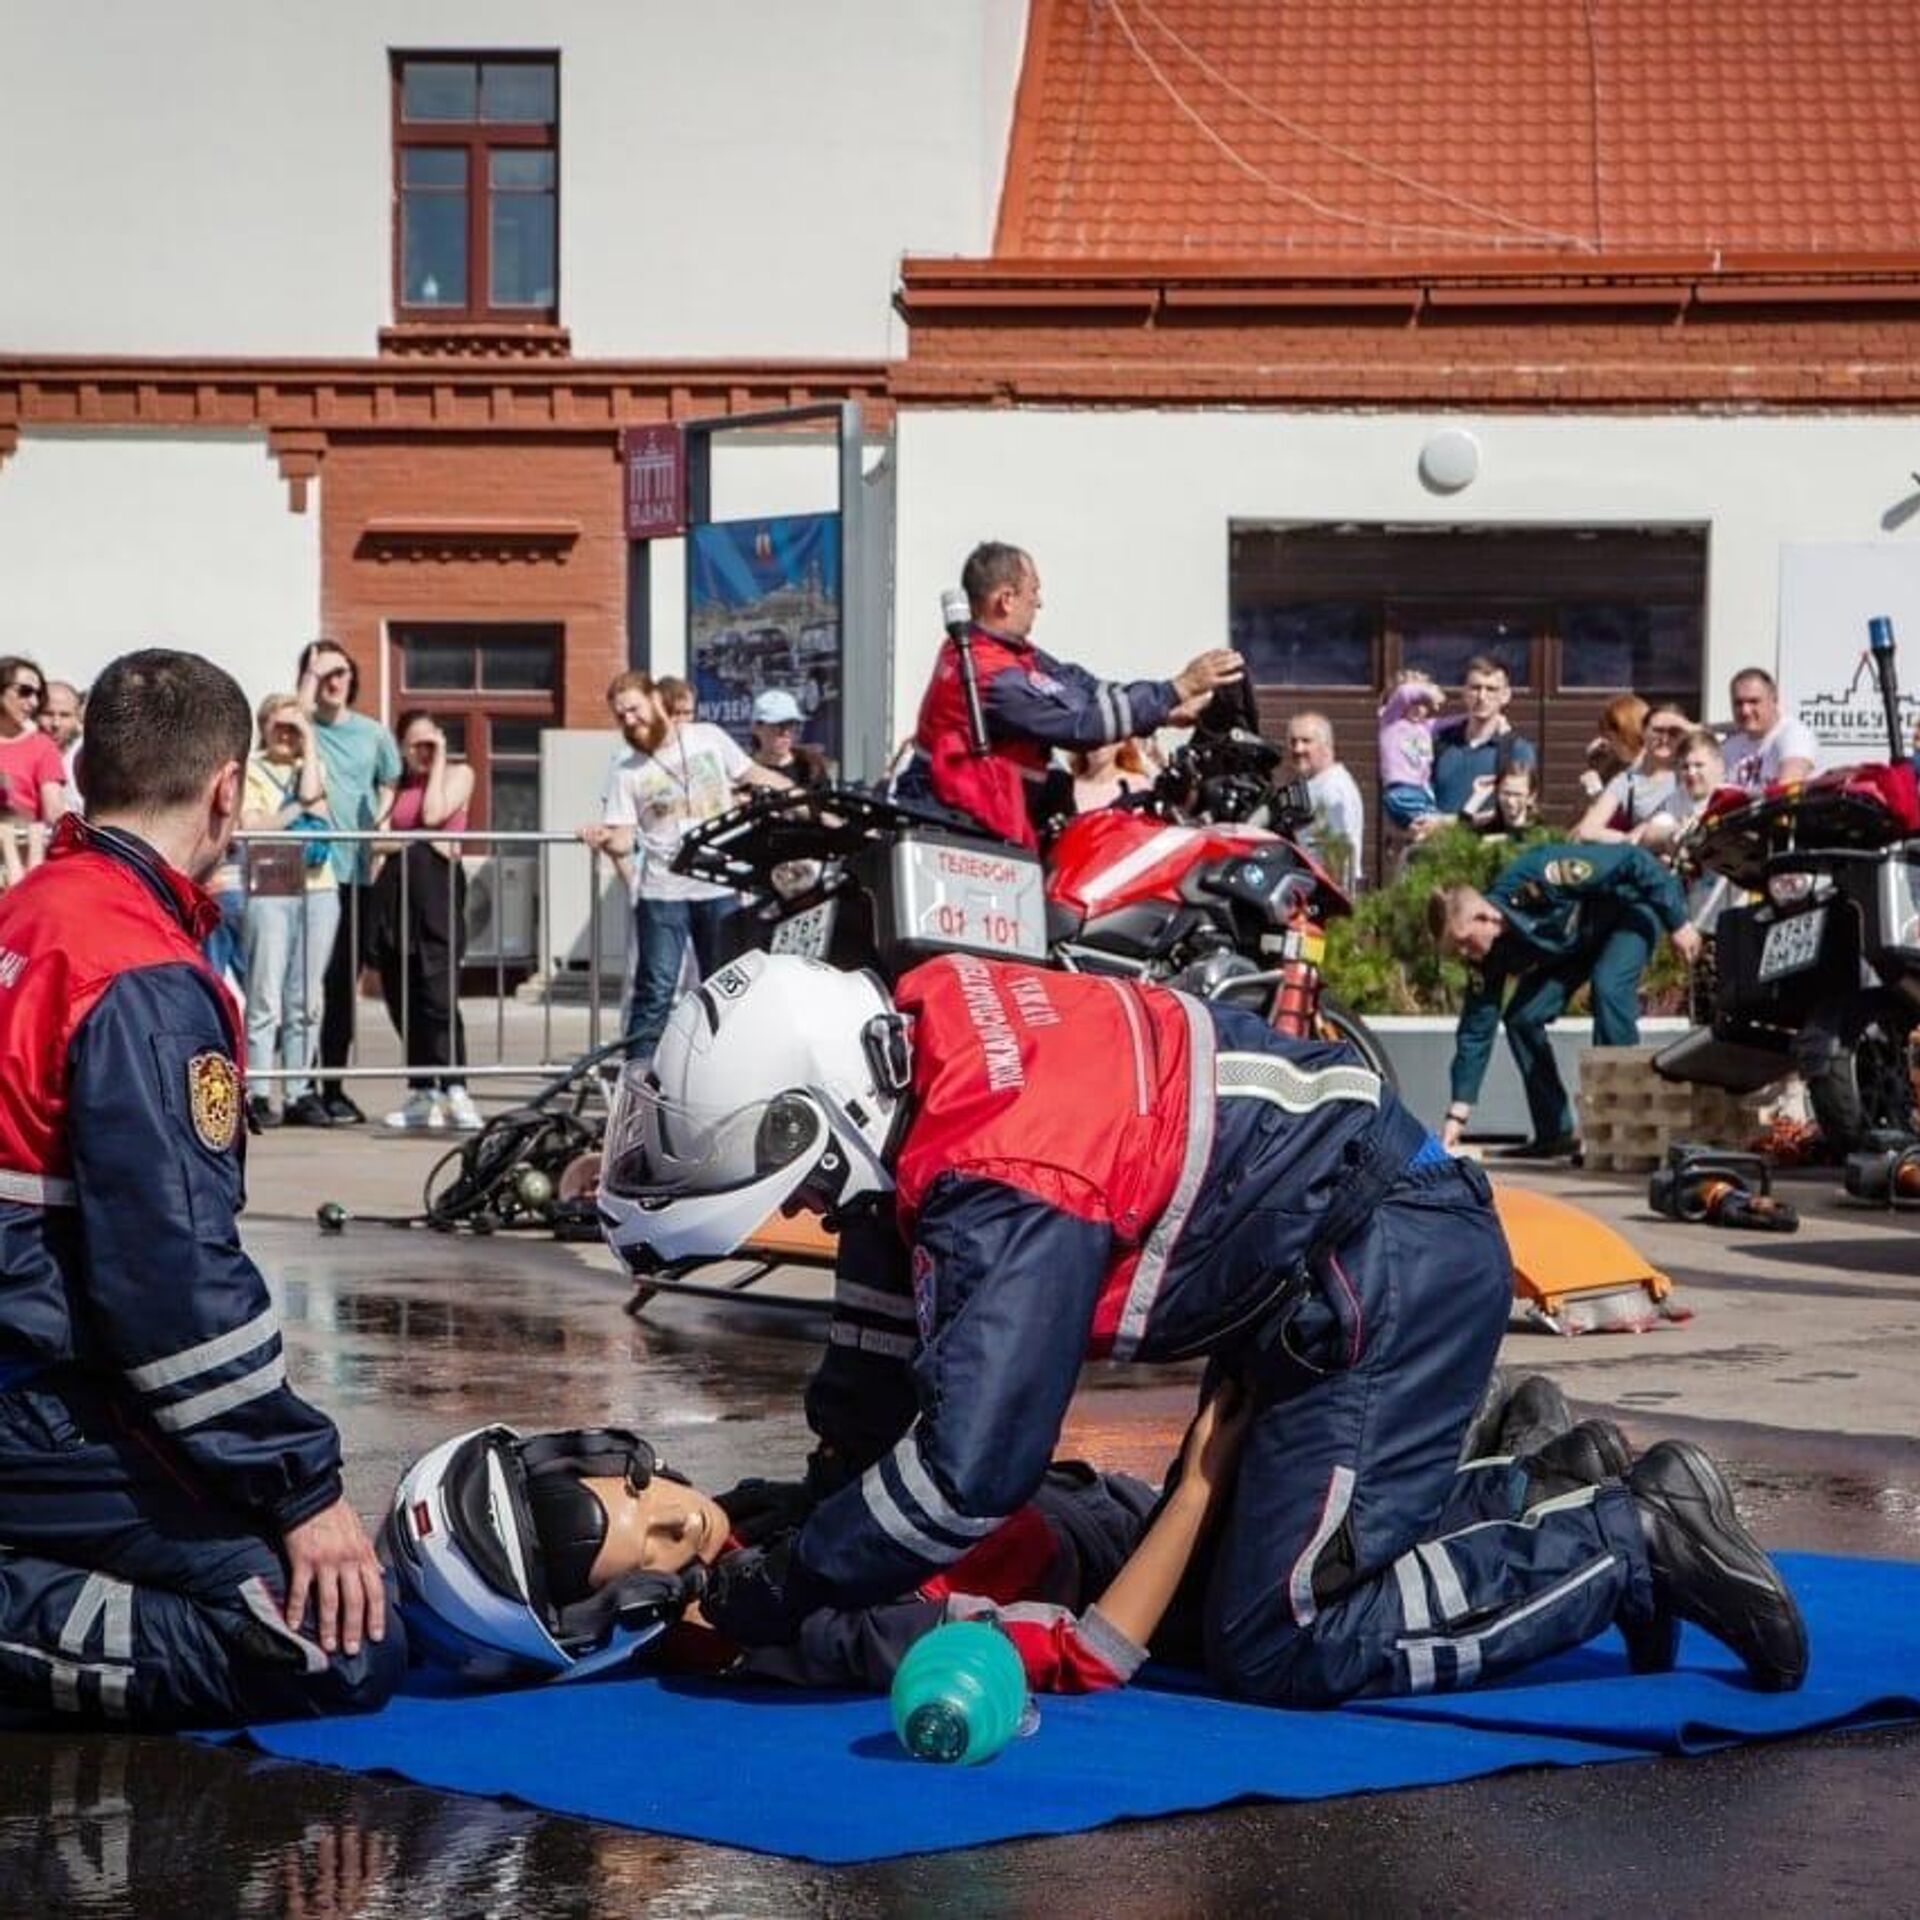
(406,1336)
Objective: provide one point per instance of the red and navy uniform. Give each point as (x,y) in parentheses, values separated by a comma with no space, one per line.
(151,1450)
(1093,1168)
(1032,703)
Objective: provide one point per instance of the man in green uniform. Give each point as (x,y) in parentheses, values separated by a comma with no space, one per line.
(1554,918)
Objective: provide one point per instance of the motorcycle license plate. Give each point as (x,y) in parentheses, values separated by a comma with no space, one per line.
(1793,944)
(980,899)
(807,933)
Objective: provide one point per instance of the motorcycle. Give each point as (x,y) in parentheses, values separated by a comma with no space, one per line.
(1818,972)
(1200,883)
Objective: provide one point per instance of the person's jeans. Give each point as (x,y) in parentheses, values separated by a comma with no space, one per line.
(288,942)
(661,930)
(225,946)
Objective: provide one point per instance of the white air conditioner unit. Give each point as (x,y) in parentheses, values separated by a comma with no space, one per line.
(502,908)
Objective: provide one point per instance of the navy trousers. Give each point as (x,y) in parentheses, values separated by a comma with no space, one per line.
(1356,1557)
(1613,963)
(129,1595)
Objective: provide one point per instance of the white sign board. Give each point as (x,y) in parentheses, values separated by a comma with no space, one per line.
(1828,593)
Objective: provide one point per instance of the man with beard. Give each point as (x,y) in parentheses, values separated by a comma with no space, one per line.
(672,774)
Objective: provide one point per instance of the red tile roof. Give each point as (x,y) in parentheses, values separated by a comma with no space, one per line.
(1255,130)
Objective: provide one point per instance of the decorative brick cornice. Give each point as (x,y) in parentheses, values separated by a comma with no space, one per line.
(1650,331)
(304,406)
(445,395)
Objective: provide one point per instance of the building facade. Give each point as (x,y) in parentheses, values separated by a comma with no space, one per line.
(1365,338)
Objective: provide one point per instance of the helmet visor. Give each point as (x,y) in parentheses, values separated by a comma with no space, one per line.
(660,1149)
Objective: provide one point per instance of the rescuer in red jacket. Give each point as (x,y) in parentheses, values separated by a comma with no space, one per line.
(174,1543)
(1030,703)
(1028,1169)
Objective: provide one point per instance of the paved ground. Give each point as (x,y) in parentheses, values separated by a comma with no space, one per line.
(1801,1367)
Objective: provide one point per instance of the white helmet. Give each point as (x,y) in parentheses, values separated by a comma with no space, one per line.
(488,1539)
(775,1074)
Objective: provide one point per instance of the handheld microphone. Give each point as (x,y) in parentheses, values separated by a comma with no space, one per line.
(956,615)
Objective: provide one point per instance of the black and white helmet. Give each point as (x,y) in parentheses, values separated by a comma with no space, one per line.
(775,1074)
(490,1538)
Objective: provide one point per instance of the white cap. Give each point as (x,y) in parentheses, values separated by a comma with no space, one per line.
(775,708)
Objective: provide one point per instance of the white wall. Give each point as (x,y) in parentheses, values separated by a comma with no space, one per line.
(112,542)
(1127,514)
(737,178)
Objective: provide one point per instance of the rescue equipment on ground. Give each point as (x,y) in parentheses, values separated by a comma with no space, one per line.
(1575,1274)
(961,1695)
(1892,1178)
(1709,1186)
(530,1167)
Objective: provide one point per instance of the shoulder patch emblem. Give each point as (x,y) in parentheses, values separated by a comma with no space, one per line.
(213,1099)
(1568,873)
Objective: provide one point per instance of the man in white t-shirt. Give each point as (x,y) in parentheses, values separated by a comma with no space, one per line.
(1339,814)
(1764,749)
(672,775)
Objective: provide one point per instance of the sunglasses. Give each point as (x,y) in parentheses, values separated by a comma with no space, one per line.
(27,690)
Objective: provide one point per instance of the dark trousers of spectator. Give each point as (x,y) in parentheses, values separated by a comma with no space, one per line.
(342,981)
(1615,957)
(662,929)
(425,964)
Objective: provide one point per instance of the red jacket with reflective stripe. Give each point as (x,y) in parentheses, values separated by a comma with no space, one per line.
(987,786)
(1001,1057)
(66,932)
(121,1135)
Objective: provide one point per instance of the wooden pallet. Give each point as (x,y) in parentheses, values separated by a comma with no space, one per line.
(1629,1116)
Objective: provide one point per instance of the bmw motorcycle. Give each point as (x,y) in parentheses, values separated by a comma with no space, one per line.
(1817,970)
(1200,883)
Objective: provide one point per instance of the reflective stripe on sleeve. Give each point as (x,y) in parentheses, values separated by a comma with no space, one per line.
(37,1189)
(187,1414)
(191,1361)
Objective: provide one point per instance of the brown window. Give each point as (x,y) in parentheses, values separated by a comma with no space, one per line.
(476,186)
(493,689)
(1328,616)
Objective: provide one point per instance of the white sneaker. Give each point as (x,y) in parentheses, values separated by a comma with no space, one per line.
(461,1114)
(421,1114)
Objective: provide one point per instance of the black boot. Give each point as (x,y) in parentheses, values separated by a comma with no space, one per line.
(1482,1438)
(1587,1455)
(1709,1569)
(1563,1146)
(1536,1413)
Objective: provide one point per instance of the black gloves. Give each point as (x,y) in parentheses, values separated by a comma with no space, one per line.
(757,1596)
(647,1599)
(760,1509)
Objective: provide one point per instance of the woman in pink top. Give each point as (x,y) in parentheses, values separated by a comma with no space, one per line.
(33,777)
(418,957)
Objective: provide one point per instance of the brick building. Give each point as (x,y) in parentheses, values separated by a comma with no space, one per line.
(1363,336)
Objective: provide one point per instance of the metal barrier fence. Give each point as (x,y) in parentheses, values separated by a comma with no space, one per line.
(404,913)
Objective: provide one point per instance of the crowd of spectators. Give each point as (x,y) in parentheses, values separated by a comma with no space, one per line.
(311,920)
(1649,770)
(305,913)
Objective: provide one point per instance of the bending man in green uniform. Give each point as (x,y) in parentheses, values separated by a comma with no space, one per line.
(1554,918)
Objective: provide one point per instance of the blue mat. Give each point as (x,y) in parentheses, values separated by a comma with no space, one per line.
(821,1777)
